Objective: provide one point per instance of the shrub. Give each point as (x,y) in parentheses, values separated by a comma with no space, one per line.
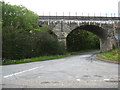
(18,45)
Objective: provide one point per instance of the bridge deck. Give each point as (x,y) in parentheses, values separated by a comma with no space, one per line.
(79,18)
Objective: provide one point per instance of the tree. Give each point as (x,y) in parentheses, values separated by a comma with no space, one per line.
(23,38)
(80,40)
(17,17)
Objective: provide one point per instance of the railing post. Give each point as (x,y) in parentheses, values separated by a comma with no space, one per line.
(49,15)
(88,14)
(111,14)
(69,15)
(100,15)
(63,15)
(49,18)
(82,13)
(114,14)
(94,14)
(106,14)
(61,26)
(76,15)
(43,15)
(56,16)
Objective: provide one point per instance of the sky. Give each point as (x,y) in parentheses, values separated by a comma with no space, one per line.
(75,7)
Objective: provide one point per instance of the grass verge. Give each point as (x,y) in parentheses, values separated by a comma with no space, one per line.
(43,58)
(112,55)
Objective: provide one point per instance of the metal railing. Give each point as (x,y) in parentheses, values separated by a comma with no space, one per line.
(93,18)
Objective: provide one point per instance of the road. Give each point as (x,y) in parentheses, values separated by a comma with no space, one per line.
(77,71)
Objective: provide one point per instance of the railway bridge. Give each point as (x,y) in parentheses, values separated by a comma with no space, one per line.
(106,28)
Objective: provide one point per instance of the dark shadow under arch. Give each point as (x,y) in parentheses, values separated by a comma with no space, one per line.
(98,31)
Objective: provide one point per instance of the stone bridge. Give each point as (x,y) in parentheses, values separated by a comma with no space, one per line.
(106,28)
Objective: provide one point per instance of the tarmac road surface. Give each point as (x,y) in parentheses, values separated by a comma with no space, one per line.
(77,71)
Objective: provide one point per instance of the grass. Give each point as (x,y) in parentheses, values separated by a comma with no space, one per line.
(113,55)
(43,58)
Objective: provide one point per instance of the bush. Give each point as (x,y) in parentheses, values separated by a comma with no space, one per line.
(18,45)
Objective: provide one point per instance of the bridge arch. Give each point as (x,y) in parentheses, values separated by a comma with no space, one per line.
(97,30)
(104,32)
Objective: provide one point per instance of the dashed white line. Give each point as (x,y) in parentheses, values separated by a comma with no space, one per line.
(106,79)
(20,72)
(78,79)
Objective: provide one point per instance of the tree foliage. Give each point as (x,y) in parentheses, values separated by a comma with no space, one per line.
(18,17)
(22,37)
(80,40)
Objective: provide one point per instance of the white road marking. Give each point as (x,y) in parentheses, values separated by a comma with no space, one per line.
(78,79)
(93,80)
(20,72)
(84,56)
(106,79)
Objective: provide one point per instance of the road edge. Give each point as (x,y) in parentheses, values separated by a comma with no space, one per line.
(101,58)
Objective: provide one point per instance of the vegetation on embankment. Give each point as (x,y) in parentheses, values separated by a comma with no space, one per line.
(111,55)
(43,58)
(23,37)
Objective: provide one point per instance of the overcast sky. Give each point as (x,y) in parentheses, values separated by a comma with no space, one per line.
(47,7)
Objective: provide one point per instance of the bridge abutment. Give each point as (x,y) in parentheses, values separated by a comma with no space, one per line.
(61,30)
(106,44)
(117,34)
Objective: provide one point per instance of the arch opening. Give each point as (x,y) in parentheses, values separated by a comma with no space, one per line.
(93,38)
